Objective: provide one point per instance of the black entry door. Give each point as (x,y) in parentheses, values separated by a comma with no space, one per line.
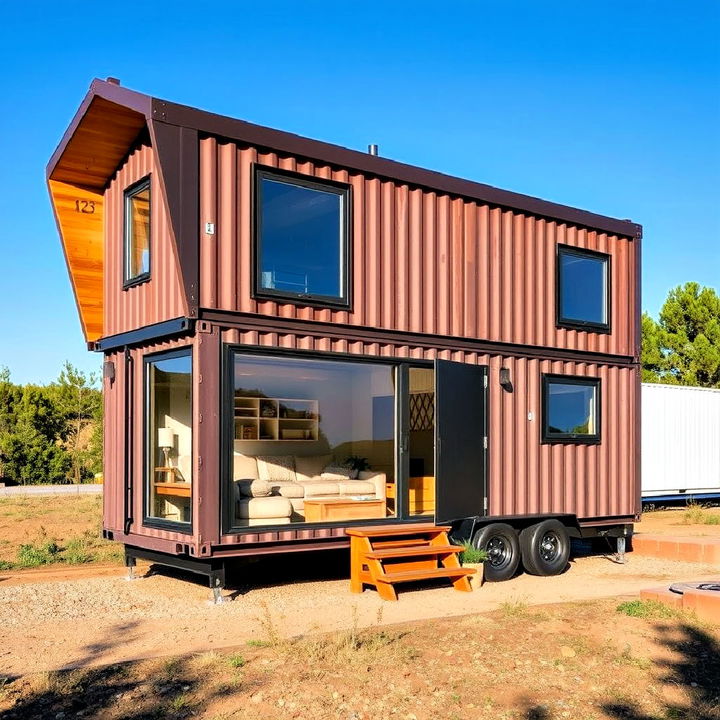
(460,438)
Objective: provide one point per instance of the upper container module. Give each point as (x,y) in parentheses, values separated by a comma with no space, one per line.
(168,213)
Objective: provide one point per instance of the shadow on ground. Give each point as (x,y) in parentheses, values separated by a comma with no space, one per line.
(178,690)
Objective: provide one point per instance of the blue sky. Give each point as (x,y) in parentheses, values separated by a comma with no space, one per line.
(609,106)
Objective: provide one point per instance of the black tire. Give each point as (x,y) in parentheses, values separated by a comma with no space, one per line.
(545,548)
(500,542)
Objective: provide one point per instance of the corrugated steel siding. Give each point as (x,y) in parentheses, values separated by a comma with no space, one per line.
(162,297)
(114,447)
(526,476)
(680,439)
(423,262)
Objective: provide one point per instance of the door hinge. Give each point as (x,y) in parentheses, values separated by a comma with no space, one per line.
(485,381)
(485,505)
(485,442)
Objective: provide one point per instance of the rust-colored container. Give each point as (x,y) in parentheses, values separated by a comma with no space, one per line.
(444,275)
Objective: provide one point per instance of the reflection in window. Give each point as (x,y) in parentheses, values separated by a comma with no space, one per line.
(137,231)
(301,241)
(169,412)
(421,486)
(570,408)
(312,441)
(583,288)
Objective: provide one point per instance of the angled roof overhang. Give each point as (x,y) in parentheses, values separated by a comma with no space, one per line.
(110,119)
(105,126)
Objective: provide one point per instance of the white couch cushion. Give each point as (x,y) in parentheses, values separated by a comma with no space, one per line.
(276,468)
(356,487)
(312,489)
(288,490)
(307,467)
(264,507)
(244,467)
(253,488)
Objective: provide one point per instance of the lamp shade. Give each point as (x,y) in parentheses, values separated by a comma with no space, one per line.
(166,437)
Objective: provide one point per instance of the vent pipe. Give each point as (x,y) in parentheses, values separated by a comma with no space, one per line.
(373,149)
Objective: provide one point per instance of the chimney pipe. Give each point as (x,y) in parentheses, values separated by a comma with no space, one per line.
(112,80)
(373,149)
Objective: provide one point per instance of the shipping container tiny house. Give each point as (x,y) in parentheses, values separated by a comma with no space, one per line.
(299,337)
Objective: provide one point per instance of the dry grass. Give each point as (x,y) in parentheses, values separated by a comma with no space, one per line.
(699,514)
(45,530)
(581,661)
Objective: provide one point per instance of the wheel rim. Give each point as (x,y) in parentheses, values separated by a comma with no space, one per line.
(498,551)
(549,547)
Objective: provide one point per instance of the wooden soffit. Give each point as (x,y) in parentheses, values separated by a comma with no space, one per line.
(93,147)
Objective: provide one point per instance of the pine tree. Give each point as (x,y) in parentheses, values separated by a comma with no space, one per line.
(683,348)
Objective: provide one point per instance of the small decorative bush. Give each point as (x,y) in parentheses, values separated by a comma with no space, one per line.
(471,555)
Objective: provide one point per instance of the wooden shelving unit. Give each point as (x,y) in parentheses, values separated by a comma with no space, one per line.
(276,419)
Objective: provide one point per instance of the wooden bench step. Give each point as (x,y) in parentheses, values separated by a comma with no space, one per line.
(411,575)
(412,550)
(408,529)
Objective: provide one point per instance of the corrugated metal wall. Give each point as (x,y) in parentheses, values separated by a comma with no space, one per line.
(680,439)
(115,445)
(423,262)
(526,476)
(162,297)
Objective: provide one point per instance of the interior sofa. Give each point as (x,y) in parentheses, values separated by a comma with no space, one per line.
(271,489)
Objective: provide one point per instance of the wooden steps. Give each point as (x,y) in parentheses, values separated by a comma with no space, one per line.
(385,555)
(412,575)
(410,550)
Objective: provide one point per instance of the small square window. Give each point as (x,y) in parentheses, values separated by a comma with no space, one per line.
(137,233)
(301,239)
(582,289)
(571,409)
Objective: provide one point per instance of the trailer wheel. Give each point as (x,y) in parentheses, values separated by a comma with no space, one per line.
(500,542)
(545,548)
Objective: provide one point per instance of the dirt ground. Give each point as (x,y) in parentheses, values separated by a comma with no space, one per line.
(66,628)
(584,661)
(35,520)
(674,521)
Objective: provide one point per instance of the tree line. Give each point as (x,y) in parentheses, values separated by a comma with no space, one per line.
(51,433)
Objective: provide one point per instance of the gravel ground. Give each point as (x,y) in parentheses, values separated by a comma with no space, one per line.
(72,623)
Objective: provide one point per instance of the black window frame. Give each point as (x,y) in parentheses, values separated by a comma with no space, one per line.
(148,520)
(401,367)
(571,438)
(574,323)
(344,191)
(129,192)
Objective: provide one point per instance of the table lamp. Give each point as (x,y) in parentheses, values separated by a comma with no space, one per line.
(166,441)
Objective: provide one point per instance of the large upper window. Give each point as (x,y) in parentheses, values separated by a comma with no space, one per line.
(168,408)
(301,243)
(571,409)
(583,279)
(136,243)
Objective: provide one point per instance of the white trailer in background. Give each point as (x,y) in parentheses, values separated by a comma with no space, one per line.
(680,443)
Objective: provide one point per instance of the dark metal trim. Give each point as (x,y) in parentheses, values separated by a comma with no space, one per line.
(128,194)
(148,521)
(157,331)
(226,420)
(355,333)
(376,166)
(178,154)
(344,191)
(585,381)
(637,430)
(573,323)
(128,454)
